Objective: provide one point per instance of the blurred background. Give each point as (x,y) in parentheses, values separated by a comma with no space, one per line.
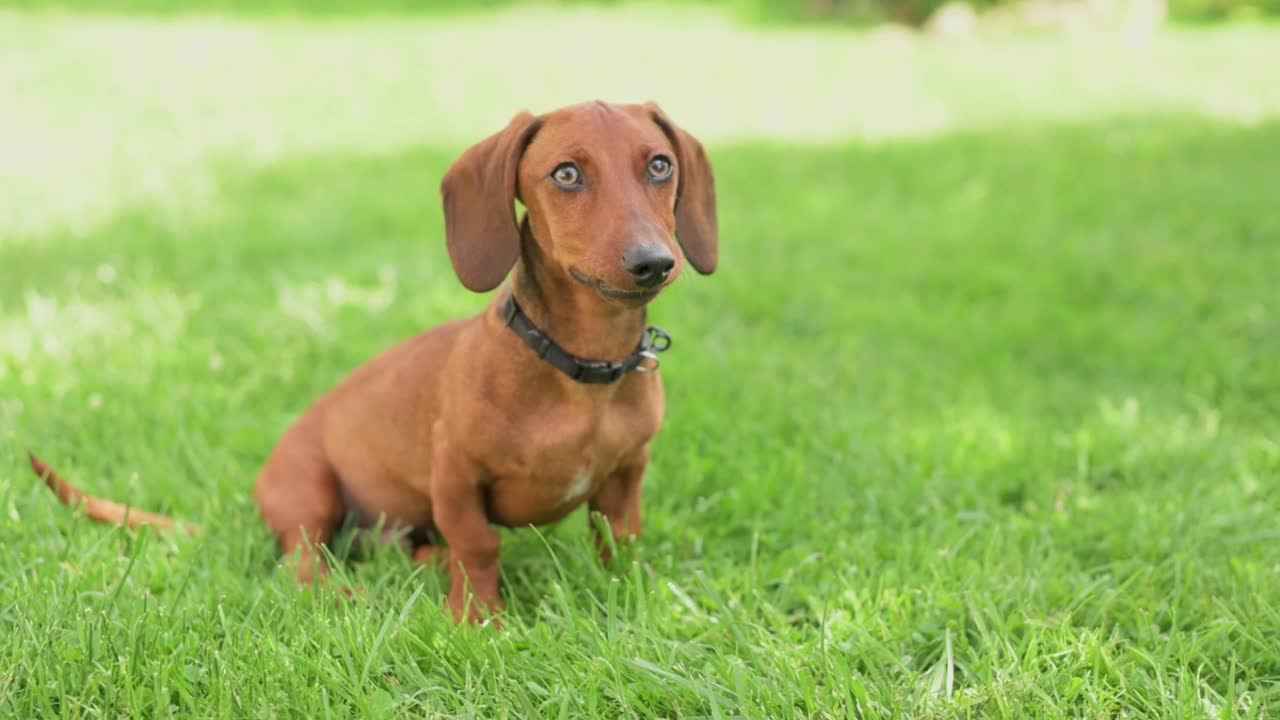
(983,402)
(112,102)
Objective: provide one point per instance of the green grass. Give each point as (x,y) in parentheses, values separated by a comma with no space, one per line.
(979,419)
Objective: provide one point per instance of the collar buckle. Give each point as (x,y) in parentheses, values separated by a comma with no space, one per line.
(648,362)
(655,340)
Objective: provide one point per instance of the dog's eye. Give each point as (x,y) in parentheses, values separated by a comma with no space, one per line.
(567,175)
(660,168)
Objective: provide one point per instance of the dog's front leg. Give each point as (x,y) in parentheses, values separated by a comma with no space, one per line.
(458,509)
(619,501)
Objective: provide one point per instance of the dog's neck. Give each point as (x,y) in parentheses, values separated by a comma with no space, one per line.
(574,316)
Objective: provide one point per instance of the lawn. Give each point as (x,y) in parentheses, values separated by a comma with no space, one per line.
(979,418)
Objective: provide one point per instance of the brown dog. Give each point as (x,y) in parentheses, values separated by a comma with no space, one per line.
(497,419)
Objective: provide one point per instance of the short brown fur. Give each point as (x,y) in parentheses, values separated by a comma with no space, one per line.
(463,427)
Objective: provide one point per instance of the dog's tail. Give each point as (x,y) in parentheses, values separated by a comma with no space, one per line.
(104,511)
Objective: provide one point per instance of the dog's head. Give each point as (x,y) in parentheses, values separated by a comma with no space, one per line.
(608,189)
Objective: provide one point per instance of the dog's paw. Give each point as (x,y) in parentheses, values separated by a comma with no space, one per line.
(474,610)
(353,592)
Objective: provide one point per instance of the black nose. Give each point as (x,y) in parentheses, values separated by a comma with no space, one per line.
(649,264)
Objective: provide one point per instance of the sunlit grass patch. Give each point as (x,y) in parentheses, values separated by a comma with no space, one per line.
(48,333)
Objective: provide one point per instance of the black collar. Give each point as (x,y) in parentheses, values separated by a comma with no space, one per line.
(595,372)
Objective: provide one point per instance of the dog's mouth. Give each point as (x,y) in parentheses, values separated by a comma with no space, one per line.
(613,293)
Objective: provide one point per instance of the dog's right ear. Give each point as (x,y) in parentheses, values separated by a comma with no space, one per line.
(479,193)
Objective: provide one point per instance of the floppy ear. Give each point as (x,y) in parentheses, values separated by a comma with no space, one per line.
(696,227)
(479,193)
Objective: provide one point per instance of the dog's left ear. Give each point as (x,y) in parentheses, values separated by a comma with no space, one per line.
(696,227)
(479,193)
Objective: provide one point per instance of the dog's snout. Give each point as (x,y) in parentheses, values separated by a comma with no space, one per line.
(649,264)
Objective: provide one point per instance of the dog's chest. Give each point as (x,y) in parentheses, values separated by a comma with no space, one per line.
(555,461)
